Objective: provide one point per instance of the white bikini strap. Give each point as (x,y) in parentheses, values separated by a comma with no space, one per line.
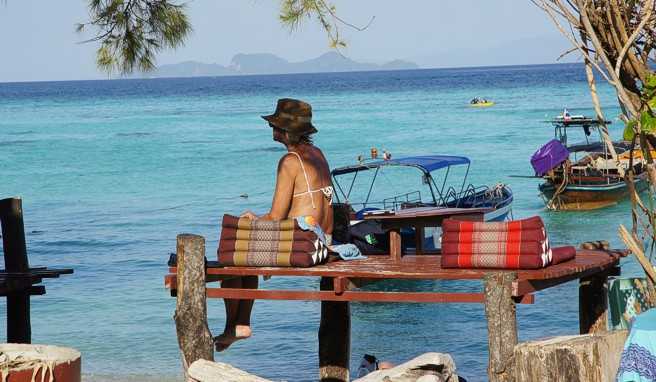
(307,181)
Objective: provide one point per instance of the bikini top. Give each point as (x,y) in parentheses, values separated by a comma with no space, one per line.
(327,191)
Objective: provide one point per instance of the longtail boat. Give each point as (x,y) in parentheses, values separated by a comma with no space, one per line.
(586,175)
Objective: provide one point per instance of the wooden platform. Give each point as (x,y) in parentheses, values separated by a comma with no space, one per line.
(349,275)
(339,283)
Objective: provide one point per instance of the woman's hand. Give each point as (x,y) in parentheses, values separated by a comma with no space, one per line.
(248,214)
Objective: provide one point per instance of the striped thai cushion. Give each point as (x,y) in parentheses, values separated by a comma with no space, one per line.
(256,243)
(519,244)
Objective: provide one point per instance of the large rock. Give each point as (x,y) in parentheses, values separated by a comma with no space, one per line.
(583,358)
(208,371)
(428,367)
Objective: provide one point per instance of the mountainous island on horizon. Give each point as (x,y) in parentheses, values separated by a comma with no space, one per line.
(266,63)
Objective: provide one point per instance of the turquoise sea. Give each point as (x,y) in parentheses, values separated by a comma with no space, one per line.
(111,171)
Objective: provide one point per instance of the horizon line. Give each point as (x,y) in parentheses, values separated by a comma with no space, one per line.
(291,74)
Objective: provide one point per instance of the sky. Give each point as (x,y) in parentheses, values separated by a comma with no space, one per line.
(38,41)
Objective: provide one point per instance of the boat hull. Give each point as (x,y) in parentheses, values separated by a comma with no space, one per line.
(580,197)
(482,104)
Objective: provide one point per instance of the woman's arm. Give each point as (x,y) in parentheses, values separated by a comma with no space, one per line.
(282,197)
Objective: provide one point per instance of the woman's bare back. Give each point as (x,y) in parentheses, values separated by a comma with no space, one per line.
(318,176)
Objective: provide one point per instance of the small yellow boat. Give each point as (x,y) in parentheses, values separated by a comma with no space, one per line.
(482,104)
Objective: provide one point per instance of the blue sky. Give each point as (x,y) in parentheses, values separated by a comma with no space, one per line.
(38,40)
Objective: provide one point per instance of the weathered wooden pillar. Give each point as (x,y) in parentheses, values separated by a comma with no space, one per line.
(581,358)
(501,325)
(593,304)
(194,336)
(334,338)
(15,252)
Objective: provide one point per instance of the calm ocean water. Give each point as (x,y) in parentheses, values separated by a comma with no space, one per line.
(111,171)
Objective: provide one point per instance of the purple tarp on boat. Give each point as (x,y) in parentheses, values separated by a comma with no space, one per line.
(549,156)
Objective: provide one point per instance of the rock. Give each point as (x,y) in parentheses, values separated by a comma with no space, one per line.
(589,357)
(428,367)
(208,371)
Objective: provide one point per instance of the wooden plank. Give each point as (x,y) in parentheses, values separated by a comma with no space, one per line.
(194,337)
(501,325)
(348,295)
(15,252)
(334,337)
(526,286)
(428,267)
(593,304)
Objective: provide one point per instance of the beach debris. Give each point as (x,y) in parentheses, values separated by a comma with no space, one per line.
(207,371)
(570,358)
(426,367)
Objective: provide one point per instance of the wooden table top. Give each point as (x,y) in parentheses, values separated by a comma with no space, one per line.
(428,267)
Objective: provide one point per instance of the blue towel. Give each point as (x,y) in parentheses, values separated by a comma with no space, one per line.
(345,251)
(638,362)
(348,251)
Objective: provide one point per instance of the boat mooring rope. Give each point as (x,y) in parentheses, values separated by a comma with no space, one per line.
(556,202)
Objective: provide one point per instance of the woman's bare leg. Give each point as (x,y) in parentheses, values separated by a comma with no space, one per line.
(238,314)
(246,306)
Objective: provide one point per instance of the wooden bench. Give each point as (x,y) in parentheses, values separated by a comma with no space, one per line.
(340,282)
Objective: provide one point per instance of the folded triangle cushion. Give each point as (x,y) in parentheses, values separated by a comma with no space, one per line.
(534,222)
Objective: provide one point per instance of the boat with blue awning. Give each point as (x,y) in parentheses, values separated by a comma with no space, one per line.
(387,185)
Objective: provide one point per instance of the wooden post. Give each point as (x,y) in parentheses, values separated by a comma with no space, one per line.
(396,251)
(501,325)
(15,252)
(194,336)
(593,304)
(334,338)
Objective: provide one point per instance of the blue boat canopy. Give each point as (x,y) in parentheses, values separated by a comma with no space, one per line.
(426,163)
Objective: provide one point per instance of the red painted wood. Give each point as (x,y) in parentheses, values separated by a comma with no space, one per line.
(426,267)
(410,297)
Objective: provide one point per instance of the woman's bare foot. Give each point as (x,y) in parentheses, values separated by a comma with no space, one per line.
(240,332)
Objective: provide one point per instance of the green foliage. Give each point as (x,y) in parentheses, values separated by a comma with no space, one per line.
(292,13)
(629,130)
(131,32)
(647,115)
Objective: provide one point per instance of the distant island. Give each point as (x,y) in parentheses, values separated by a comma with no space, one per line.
(265,63)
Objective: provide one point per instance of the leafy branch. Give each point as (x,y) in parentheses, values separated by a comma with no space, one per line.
(132,32)
(293,12)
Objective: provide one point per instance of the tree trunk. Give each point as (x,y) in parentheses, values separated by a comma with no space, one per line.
(584,358)
(194,336)
(501,325)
